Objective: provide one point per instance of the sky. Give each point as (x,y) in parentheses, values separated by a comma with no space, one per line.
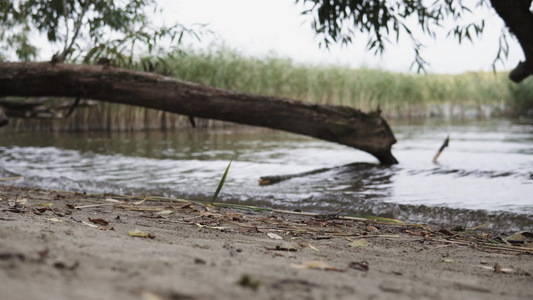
(260,27)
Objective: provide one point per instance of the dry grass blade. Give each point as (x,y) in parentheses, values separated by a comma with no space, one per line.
(11,178)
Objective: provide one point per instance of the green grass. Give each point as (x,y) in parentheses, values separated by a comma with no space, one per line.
(521,96)
(398,94)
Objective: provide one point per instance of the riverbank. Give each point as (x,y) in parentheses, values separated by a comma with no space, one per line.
(59,245)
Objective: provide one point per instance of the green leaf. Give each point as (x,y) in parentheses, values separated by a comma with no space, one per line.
(520,236)
(221,184)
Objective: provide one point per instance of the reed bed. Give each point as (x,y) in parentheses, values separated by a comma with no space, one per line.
(399,95)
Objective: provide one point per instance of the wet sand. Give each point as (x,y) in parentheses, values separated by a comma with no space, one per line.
(57,245)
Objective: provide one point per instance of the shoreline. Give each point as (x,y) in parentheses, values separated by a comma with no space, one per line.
(505,222)
(60,245)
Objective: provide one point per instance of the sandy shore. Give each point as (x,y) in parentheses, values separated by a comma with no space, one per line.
(57,252)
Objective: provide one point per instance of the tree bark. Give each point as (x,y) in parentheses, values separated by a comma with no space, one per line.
(3,118)
(517,16)
(343,125)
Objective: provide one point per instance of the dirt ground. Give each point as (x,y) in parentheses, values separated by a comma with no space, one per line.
(59,245)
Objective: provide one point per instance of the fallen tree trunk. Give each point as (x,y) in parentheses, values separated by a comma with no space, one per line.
(343,125)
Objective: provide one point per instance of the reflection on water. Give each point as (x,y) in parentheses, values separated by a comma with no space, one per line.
(485,174)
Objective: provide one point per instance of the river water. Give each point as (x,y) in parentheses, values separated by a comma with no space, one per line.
(484,176)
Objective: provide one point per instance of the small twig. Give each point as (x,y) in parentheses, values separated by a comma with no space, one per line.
(71,109)
(139,208)
(492,247)
(382,236)
(191,119)
(94,205)
(192,218)
(374,236)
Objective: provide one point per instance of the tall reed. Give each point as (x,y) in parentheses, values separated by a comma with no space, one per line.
(399,95)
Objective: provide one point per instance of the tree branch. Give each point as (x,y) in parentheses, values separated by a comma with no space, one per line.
(77,25)
(343,125)
(65,17)
(519,19)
